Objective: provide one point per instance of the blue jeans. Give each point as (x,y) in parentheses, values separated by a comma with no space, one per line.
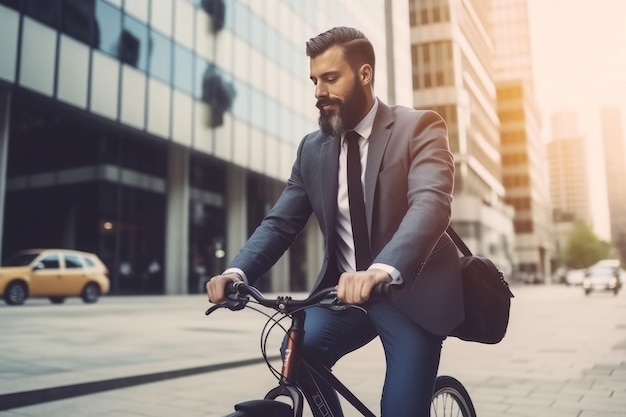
(412,354)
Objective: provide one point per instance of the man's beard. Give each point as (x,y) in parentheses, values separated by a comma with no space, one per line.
(335,123)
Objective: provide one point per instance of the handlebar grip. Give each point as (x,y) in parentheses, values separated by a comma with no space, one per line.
(381,290)
(230,288)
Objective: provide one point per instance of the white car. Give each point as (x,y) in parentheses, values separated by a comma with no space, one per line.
(575,276)
(603,276)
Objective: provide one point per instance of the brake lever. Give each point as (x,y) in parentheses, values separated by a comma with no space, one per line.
(333,304)
(233,302)
(212,309)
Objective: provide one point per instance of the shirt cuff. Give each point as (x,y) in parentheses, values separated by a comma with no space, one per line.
(237,271)
(396,279)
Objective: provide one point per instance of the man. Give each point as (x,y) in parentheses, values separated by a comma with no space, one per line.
(407,175)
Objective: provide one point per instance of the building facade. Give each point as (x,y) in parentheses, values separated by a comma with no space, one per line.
(569,187)
(524,163)
(615,170)
(453,54)
(164,130)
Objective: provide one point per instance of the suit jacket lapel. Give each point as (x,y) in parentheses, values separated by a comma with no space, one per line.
(378,141)
(329,172)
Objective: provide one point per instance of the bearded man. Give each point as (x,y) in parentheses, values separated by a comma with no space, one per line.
(379,180)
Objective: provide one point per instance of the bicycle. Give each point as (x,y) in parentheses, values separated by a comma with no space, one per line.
(450,397)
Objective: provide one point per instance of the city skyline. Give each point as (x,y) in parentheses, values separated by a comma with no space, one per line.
(578,67)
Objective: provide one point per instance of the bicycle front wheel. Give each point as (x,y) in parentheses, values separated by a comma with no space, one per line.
(450,398)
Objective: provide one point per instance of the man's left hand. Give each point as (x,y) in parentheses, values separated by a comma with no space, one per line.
(356,287)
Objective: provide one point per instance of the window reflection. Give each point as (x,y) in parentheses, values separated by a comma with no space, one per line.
(160,57)
(218,93)
(45,11)
(217,10)
(109,21)
(14,4)
(133,44)
(78,21)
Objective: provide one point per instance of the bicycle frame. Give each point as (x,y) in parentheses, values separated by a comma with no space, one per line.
(292,373)
(296,376)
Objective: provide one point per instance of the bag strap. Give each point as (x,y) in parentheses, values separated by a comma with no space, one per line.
(458,242)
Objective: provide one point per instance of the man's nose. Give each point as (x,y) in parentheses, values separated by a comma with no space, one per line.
(320,91)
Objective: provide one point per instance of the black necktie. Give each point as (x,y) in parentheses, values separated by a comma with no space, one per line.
(357,206)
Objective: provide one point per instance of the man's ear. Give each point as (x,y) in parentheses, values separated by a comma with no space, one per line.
(365,74)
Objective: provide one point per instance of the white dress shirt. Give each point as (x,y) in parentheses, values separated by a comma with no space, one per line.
(345,243)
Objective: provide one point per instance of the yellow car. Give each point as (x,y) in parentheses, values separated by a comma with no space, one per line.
(53,273)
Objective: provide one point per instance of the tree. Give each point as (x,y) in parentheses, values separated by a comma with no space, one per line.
(584,248)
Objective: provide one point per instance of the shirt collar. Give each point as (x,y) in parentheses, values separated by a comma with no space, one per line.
(365,126)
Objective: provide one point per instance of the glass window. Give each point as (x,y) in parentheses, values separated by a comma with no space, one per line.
(242,21)
(45,11)
(202,67)
(14,4)
(38,56)
(257,108)
(240,105)
(50,262)
(73,71)
(183,69)
(256,32)
(72,262)
(133,44)
(160,57)
(272,117)
(184,19)
(286,121)
(78,21)
(161,17)
(138,8)
(272,43)
(109,25)
(88,262)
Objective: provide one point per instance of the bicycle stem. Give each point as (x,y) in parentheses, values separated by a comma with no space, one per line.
(291,361)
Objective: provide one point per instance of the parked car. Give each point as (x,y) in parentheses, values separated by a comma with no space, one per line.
(575,276)
(603,276)
(53,273)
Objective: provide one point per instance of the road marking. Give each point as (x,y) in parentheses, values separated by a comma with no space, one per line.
(33,397)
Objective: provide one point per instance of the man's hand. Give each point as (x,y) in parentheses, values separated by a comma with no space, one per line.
(216,286)
(356,287)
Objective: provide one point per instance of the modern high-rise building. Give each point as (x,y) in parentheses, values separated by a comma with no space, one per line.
(615,169)
(524,163)
(164,130)
(569,187)
(453,53)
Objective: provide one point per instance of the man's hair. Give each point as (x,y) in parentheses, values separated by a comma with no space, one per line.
(356,47)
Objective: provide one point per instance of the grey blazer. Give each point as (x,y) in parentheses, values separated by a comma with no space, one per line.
(408,191)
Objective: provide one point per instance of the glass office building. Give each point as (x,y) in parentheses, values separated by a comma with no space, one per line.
(163,130)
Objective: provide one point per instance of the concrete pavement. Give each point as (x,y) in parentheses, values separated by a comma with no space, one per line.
(564,355)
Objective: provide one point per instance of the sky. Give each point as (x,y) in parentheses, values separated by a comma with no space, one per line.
(579,63)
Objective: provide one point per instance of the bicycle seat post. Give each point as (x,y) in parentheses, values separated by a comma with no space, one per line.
(293,354)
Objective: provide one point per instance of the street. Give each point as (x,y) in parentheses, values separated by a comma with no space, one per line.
(564,355)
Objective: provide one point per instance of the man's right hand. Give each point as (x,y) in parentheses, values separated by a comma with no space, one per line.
(216,286)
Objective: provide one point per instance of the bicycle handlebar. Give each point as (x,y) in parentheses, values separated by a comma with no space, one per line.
(238,293)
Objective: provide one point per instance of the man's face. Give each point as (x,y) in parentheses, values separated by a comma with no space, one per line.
(340,97)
